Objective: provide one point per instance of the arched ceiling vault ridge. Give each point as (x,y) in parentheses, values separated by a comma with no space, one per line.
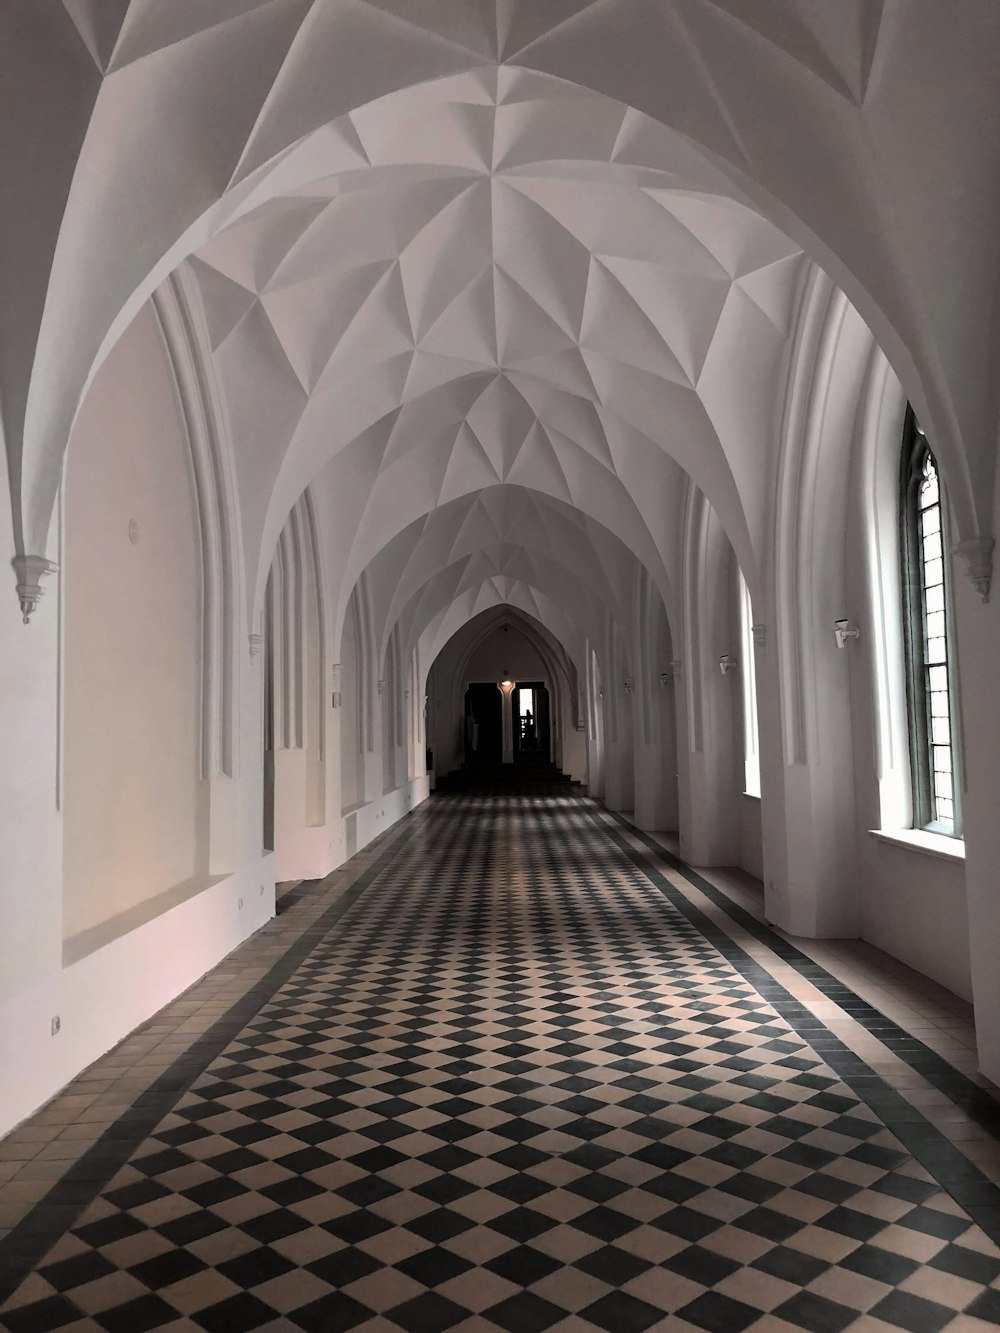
(519,515)
(505,532)
(595,333)
(761,92)
(555,582)
(638,479)
(578,612)
(502,532)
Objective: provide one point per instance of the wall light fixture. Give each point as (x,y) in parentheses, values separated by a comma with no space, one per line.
(844,630)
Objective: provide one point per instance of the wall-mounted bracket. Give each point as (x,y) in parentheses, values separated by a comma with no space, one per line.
(844,630)
(977,554)
(30,570)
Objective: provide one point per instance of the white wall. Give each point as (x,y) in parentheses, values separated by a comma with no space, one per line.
(136,807)
(143,914)
(31,825)
(351,745)
(911,904)
(131,707)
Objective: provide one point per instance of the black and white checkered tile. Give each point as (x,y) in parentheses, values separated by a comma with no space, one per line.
(515,1087)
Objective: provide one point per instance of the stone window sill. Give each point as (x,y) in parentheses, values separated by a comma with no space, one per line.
(919,840)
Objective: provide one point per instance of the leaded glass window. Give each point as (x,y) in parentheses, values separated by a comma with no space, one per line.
(930,676)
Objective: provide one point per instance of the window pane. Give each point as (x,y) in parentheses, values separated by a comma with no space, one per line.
(933,573)
(933,758)
(937,650)
(935,625)
(942,759)
(939,705)
(932,543)
(940,731)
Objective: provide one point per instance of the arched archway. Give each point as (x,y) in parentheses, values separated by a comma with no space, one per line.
(469,665)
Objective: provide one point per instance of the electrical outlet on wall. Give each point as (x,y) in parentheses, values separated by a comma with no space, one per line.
(239,904)
(56,1024)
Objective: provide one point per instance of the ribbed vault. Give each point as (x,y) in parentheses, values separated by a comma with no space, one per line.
(503,278)
(503,535)
(163,124)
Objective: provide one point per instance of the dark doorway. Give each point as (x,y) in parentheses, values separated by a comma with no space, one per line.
(531,719)
(483,725)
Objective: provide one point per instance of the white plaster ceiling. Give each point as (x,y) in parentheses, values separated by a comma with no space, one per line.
(503,536)
(134,130)
(506,572)
(507,279)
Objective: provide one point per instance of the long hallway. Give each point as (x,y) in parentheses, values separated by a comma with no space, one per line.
(512,1067)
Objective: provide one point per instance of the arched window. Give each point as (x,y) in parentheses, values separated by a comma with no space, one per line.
(748,674)
(930,682)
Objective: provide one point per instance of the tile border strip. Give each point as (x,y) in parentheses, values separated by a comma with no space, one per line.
(55,1214)
(975,1101)
(27,1243)
(946,1163)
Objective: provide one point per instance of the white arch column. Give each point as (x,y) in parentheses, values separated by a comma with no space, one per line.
(656,734)
(506,688)
(594,694)
(708,814)
(619,754)
(301,701)
(804,678)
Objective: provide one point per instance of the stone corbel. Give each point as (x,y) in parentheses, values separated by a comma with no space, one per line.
(977,555)
(30,570)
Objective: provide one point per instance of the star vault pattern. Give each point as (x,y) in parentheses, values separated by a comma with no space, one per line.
(498,278)
(187,118)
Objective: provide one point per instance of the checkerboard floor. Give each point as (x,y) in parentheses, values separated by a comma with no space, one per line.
(512,1085)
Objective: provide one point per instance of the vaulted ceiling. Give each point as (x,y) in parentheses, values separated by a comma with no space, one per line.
(447,246)
(506,279)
